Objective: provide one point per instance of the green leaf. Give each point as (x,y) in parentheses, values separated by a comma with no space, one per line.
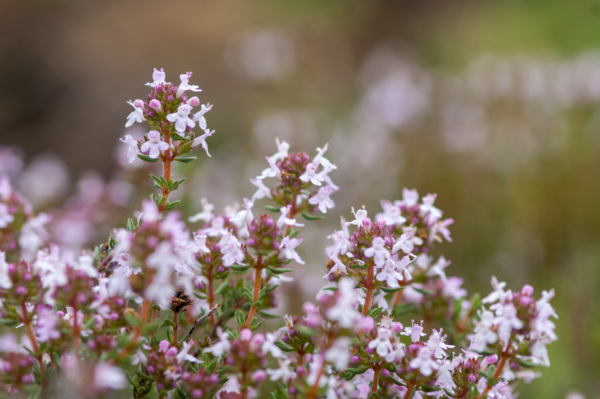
(389,290)
(279,270)
(268,315)
(221,288)
(272,208)
(358,370)
(422,291)
(256,326)
(171,205)
(130,226)
(239,317)
(239,268)
(310,217)
(526,363)
(168,323)
(130,378)
(157,181)
(185,159)
(177,137)
(284,347)
(146,158)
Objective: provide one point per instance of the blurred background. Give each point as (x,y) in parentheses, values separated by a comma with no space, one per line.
(494,105)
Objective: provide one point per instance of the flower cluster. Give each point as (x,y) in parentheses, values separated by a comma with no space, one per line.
(174,307)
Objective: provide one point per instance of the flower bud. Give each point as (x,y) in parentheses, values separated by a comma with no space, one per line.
(194,101)
(156,105)
(259,376)
(246,334)
(138,104)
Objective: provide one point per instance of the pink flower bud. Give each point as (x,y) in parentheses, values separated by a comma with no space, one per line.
(259,376)
(156,105)
(196,393)
(246,334)
(138,104)
(163,346)
(194,101)
(527,290)
(172,352)
(366,324)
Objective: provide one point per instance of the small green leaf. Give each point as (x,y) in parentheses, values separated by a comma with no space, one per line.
(272,208)
(389,290)
(310,217)
(168,323)
(146,158)
(130,226)
(185,159)
(284,347)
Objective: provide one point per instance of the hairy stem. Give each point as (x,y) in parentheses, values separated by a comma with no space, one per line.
(397,298)
(34,344)
(257,278)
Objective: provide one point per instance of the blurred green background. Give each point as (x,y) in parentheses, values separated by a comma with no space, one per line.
(494,105)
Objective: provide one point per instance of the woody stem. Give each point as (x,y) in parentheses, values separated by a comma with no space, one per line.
(257,278)
(166,170)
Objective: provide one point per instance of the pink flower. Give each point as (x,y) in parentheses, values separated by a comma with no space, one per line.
(133,147)
(181,118)
(311,175)
(322,199)
(184,86)
(288,247)
(137,115)
(159,78)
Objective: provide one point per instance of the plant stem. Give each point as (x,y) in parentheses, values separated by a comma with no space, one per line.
(76,333)
(497,374)
(257,278)
(34,344)
(409,389)
(166,169)
(175,328)
(397,298)
(370,288)
(375,379)
(211,301)
(292,215)
(314,390)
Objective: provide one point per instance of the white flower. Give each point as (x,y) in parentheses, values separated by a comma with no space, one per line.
(282,151)
(5,188)
(206,213)
(344,311)
(322,199)
(184,86)
(181,118)
(284,220)
(283,372)
(154,145)
(288,246)
(5,216)
(483,331)
(159,78)
(438,268)
(389,274)
(217,227)
(33,233)
(262,192)
(378,251)
(339,353)
(133,147)
(437,345)
(201,140)
(311,174)
(415,332)
(382,344)
(427,208)
(320,159)
(271,171)
(222,346)
(86,264)
(199,116)
(325,176)
(162,257)
(337,265)
(424,362)
(199,244)
(137,115)
(391,214)
(359,216)
(109,377)
(409,197)
(5,281)
(269,346)
(231,250)
(183,355)
(508,321)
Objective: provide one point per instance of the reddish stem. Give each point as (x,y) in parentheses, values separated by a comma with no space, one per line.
(375,379)
(176,328)
(292,215)
(409,389)
(211,301)
(370,288)
(257,278)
